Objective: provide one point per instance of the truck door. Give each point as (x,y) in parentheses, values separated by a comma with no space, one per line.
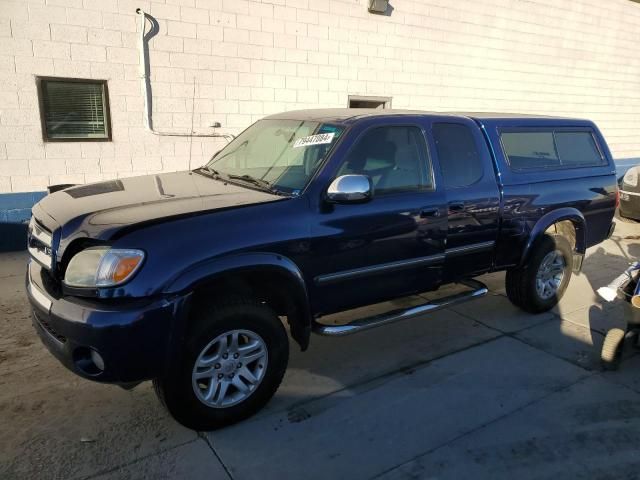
(472,196)
(394,244)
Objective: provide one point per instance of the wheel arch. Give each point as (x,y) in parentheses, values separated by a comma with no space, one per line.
(270,277)
(561,219)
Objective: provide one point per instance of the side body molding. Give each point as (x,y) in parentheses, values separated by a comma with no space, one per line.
(548,219)
(285,272)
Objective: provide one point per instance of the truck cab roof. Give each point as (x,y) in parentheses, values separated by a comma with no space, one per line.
(352,115)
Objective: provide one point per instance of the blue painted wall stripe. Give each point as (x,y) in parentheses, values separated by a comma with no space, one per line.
(16,207)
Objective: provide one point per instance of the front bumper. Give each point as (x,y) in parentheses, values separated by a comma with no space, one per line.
(132,337)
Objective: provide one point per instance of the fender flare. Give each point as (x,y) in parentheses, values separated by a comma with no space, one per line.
(300,319)
(567,213)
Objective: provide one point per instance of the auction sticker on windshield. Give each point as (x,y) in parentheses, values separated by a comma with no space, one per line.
(319,139)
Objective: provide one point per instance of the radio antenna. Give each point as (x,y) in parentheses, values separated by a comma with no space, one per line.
(193,102)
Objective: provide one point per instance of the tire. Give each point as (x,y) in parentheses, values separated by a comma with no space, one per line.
(521,283)
(211,328)
(612,349)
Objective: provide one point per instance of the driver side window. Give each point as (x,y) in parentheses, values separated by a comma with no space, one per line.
(395,158)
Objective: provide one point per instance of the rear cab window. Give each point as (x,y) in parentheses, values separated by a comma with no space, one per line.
(460,161)
(550,148)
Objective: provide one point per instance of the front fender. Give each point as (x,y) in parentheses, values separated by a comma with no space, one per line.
(566,213)
(286,270)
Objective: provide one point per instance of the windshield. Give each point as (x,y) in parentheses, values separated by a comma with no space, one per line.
(278,154)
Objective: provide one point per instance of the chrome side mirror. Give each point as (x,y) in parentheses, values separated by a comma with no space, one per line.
(350,189)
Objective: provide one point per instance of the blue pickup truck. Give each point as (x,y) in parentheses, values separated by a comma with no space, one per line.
(196,279)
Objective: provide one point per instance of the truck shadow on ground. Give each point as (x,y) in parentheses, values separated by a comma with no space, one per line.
(575,333)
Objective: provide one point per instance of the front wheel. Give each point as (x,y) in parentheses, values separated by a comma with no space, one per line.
(232,364)
(539,285)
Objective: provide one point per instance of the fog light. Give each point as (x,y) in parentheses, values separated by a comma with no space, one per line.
(97,360)
(88,361)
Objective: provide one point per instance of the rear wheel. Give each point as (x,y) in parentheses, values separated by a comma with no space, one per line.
(539,285)
(231,365)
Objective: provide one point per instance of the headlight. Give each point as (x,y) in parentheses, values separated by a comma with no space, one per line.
(631,177)
(102,267)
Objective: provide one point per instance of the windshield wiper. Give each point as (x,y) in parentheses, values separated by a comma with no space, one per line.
(211,172)
(256,181)
(263,184)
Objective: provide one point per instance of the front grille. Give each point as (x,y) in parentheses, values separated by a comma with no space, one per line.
(45,325)
(39,241)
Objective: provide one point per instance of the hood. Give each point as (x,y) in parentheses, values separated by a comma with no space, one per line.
(103,207)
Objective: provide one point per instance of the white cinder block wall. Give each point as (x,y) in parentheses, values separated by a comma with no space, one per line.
(252,58)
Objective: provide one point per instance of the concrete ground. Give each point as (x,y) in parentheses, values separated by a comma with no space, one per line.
(482,390)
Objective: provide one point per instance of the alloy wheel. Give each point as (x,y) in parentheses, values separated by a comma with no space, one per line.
(230,368)
(550,274)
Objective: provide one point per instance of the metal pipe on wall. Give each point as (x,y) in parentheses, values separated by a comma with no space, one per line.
(145,68)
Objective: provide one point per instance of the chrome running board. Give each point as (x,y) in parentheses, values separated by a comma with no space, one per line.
(479,290)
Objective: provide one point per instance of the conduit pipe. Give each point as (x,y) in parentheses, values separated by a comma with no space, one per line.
(145,68)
